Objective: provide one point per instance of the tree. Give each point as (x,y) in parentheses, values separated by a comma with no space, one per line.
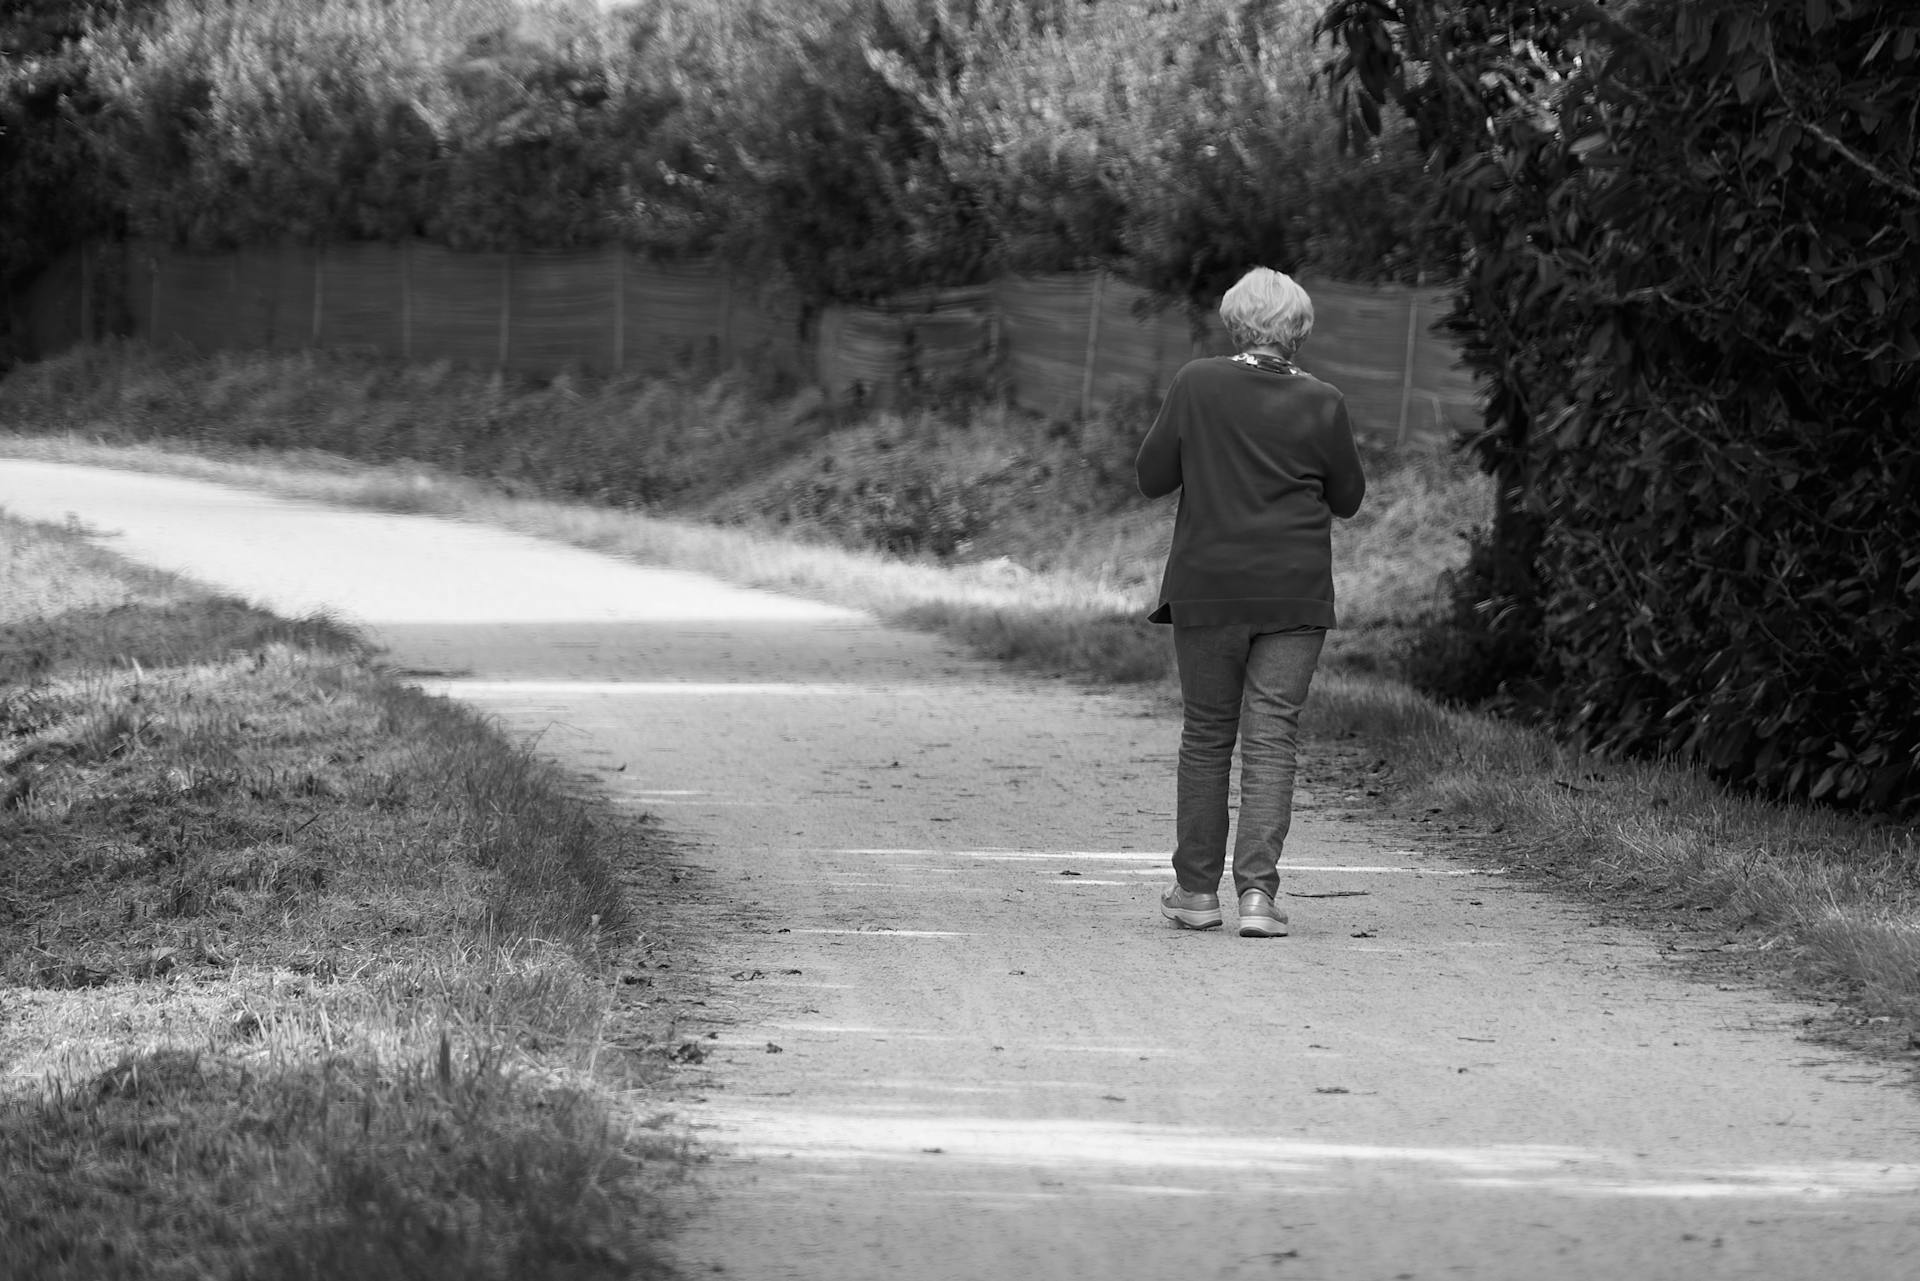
(42,28)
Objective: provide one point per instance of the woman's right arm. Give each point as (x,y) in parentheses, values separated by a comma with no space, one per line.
(1157,469)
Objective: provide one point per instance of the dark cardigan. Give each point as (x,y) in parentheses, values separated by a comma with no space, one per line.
(1264,461)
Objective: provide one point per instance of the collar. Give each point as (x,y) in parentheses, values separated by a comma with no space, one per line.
(1266,363)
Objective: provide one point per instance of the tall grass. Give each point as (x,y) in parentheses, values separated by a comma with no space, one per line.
(306,974)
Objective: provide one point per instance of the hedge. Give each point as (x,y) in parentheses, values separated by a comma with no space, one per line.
(1695,292)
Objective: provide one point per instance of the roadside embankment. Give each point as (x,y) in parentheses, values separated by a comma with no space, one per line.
(302,973)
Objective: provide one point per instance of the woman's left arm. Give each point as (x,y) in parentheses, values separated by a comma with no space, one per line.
(1346,481)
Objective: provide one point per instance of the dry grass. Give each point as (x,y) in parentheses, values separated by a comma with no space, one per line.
(302,974)
(1831,898)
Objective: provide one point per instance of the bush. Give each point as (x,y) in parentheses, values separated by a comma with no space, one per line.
(1480,647)
(53,187)
(1705,408)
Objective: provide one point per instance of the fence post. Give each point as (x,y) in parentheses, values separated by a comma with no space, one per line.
(1093,343)
(1406,373)
(406,300)
(236,309)
(506,308)
(619,307)
(86,296)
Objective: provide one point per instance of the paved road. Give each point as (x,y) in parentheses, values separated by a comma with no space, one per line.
(949,1038)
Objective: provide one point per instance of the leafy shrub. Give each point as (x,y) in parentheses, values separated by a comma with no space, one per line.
(52,186)
(910,511)
(838,178)
(1480,646)
(1705,409)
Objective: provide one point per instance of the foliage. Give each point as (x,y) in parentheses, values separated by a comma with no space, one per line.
(909,509)
(1474,647)
(837,178)
(31,29)
(477,124)
(50,170)
(1175,144)
(859,147)
(1692,291)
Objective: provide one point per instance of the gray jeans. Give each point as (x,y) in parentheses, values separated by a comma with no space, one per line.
(1244,680)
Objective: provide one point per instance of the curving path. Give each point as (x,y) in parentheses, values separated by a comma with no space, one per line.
(947,1035)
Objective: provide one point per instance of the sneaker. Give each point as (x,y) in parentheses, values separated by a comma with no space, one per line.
(1259,918)
(1191,911)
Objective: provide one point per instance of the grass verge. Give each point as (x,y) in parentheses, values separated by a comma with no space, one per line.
(1024,541)
(1816,898)
(302,974)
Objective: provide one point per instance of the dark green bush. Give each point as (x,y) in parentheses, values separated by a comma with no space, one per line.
(1480,646)
(54,195)
(1695,294)
(911,511)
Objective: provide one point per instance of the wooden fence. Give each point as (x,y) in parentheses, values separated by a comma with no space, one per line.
(1061,345)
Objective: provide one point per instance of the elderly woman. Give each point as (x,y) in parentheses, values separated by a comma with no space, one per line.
(1264,457)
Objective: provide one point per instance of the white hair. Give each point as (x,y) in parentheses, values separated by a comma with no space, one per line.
(1266,306)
